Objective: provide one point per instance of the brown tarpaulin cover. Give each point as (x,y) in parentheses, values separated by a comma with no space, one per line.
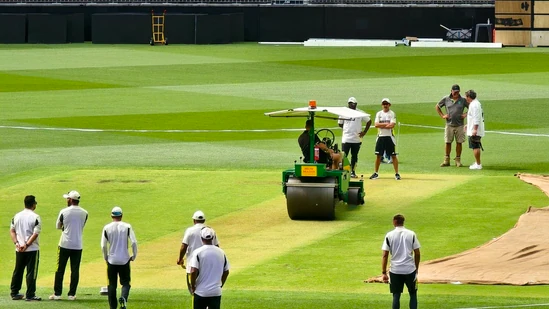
(518,257)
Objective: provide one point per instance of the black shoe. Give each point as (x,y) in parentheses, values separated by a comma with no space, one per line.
(122,302)
(17,297)
(374,176)
(397,176)
(34,298)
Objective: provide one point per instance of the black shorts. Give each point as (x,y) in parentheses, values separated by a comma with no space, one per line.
(474,142)
(385,144)
(398,281)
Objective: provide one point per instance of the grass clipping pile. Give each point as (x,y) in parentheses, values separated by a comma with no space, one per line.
(518,257)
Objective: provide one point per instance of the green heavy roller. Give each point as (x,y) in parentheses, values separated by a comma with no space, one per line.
(314,189)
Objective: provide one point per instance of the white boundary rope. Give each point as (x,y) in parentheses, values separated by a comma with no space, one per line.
(140,131)
(228,131)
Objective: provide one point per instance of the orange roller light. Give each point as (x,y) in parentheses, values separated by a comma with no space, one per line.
(312,103)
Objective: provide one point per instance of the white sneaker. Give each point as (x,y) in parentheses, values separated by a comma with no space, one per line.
(55,297)
(475,166)
(71,297)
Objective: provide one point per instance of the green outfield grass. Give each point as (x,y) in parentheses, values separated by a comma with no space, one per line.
(163,131)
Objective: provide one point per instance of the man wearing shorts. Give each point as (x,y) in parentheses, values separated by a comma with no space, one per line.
(403,246)
(475,127)
(455,106)
(385,122)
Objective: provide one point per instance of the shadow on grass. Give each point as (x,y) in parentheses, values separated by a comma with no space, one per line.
(343,210)
(511,168)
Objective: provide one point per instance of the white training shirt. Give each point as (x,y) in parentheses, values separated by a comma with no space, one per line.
(193,240)
(26,223)
(475,116)
(401,243)
(352,128)
(71,221)
(211,262)
(116,234)
(385,117)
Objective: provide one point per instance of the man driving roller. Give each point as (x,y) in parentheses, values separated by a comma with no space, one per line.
(324,152)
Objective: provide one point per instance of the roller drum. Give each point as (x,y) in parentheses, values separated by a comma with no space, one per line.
(353,197)
(309,198)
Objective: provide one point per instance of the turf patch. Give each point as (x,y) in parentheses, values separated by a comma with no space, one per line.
(201,74)
(18,83)
(197,126)
(232,120)
(438,65)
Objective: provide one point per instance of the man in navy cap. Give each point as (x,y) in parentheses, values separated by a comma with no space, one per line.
(455,105)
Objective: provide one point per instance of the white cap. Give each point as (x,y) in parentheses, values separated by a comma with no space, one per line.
(386,100)
(73,195)
(207,233)
(116,211)
(199,215)
(352,100)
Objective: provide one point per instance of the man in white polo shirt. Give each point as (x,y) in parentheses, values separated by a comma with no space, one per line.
(385,122)
(475,127)
(353,133)
(25,228)
(114,244)
(71,222)
(209,271)
(403,246)
(191,242)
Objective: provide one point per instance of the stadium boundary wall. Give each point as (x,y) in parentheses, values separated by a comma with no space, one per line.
(207,24)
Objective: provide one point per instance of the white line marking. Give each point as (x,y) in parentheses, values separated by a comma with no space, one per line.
(496,132)
(511,306)
(228,131)
(141,131)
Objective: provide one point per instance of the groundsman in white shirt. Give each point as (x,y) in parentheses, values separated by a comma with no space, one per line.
(403,247)
(475,127)
(353,133)
(25,229)
(209,271)
(114,244)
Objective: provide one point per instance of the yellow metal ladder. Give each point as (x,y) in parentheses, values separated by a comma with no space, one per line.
(158,29)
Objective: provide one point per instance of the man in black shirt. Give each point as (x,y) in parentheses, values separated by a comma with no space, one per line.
(324,151)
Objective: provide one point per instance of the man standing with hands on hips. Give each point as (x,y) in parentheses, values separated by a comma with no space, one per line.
(455,105)
(353,133)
